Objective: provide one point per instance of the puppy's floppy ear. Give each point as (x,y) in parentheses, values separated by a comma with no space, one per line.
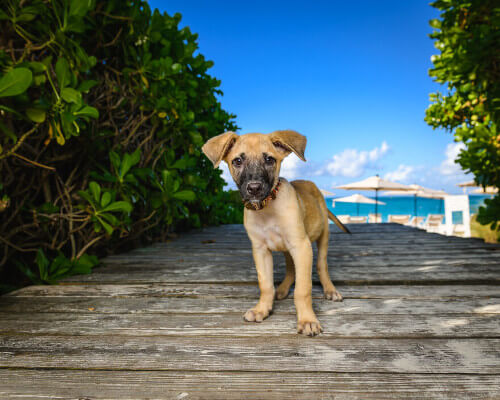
(217,147)
(288,141)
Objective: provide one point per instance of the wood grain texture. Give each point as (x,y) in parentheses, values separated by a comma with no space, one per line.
(232,324)
(236,271)
(257,353)
(218,290)
(215,305)
(420,320)
(96,385)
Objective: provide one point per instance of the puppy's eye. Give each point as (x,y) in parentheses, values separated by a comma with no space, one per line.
(269,160)
(237,162)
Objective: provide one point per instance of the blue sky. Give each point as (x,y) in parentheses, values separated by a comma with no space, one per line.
(351,76)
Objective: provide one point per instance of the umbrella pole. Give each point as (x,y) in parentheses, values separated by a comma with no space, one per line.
(376,204)
(357,209)
(415,204)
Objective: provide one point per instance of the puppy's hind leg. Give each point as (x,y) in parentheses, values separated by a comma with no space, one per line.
(328,289)
(284,287)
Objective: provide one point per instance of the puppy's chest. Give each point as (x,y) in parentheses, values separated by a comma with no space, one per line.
(270,234)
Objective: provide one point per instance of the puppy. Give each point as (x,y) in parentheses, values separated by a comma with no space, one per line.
(279,216)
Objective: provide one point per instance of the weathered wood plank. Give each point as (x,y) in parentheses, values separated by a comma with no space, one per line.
(231,324)
(355,259)
(264,353)
(219,243)
(216,290)
(398,234)
(241,385)
(238,271)
(211,305)
(416,233)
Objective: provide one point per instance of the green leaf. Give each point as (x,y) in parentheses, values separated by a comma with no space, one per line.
(435,23)
(62,72)
(29,273)
(196,137)
(110,218)
(81,269)
(119,206)
(27,13)
(95,189)
(36,115)
(15,82)
(67,123)
(136,157)
(106,198)
(180,164)
(88,111)
(43,264)
(186,195)
(86,196)
(8,132)
(177,184)
(106,226)
(176,67)
(71,95)
(59,265)
(85,86)
(37,67)
(87,260)
(115,160)
(129,161)
(79,7)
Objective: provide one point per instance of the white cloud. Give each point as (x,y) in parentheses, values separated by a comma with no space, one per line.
(402,174)
(352,163)
(291,167)
(226,175)
(448,167)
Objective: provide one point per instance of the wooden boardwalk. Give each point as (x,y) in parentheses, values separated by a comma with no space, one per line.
(420,320)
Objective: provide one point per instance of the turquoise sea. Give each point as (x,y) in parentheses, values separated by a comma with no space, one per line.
(401,205)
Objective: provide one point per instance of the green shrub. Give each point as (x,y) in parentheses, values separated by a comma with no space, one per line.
(484,231)
(104,106)
(468,38)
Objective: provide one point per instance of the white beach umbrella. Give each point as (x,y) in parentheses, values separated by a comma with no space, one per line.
(326,193)
(481,190)
(375,183)
(467,184)
(358,199)
(487,190)
(419,191)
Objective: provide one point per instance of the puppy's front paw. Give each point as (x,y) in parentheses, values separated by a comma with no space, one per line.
(309,328)
(333,294)
(254,315)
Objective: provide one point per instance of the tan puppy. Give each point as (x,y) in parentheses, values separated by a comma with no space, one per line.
(286,219)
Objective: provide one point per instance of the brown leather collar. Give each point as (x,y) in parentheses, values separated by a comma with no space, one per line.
(261,204)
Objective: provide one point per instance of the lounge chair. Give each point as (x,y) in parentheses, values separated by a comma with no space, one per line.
(458,230)
(399,219)
(357,220)
(345,219)
(374,218)
(416,221)
(434,223)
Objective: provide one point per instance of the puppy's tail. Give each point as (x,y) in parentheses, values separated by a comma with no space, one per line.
(337,222)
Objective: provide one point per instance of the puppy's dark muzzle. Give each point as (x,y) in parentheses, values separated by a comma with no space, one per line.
(254,189)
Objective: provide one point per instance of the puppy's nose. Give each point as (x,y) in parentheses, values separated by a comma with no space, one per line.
(254,188)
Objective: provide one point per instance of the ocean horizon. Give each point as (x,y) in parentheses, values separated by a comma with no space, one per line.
(401,205)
